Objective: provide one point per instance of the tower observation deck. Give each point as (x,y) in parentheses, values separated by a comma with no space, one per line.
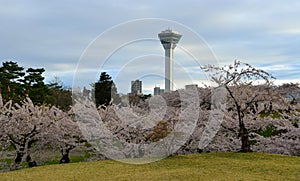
(169,40)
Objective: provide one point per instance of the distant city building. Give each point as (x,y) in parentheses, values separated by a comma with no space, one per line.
(158,91)
(76,91)
(136,87)
(86,92)
(161,91)
(191,86)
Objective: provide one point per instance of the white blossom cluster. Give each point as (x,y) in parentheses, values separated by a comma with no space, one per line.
(29,132)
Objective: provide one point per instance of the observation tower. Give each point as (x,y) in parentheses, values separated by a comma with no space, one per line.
(169,40)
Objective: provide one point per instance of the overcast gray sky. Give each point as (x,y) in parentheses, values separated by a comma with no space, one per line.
(55,34)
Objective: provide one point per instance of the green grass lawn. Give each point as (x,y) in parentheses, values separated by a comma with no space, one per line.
(205,166)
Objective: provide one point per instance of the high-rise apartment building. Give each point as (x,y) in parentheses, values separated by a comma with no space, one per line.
(136,87)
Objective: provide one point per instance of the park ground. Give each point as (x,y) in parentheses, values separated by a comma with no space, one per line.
(204,166)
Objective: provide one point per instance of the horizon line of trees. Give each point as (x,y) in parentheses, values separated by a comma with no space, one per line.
(16,84)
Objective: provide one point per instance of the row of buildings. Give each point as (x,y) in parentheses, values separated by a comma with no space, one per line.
(136,88)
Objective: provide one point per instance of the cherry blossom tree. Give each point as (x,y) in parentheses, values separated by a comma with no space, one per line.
(21,126)
(63,134)
(239,79)
(30,129)
(291,91)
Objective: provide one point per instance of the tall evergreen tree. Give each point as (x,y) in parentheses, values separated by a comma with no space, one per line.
(104,90)
(10,85)
(35,86)
(16,84)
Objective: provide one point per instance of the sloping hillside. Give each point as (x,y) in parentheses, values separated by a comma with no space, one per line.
(206,166)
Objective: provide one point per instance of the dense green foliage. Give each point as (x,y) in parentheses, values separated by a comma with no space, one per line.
(58,96)
(270,131)
(104,90)
(16,83)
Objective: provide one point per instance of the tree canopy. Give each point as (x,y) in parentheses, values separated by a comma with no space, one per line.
(16,84)
(104,90)
(239,80)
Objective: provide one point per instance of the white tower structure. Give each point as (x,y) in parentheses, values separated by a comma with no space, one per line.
(169,40)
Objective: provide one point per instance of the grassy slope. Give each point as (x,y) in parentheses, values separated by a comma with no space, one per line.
(206,166)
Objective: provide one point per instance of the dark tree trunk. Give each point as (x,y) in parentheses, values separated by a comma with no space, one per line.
(20,153)
(244,134)
(65,158)
(30,162)
(19,157)
(65,155)
(23,145)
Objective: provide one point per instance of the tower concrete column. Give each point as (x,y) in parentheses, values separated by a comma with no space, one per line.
(169,70)
(169,40)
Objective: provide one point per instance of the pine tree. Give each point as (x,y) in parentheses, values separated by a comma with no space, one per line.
(10,85)
(105,90)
